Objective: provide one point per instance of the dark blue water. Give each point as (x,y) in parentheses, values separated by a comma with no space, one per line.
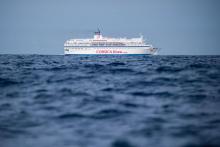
(109,101)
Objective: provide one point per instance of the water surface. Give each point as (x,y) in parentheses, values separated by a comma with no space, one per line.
(109,101)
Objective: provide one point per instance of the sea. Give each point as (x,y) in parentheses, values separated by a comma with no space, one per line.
(109,101)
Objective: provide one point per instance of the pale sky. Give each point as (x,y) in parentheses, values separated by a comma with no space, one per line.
(178,27)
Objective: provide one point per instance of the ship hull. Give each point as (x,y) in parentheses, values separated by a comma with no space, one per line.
(110,50)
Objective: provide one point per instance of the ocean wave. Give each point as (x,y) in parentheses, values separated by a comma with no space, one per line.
(109,100)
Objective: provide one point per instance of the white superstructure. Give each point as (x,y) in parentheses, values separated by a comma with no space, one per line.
(104,45)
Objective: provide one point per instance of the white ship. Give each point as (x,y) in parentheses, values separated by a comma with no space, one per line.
(104,45)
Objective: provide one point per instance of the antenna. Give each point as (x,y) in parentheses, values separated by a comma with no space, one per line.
(141,36)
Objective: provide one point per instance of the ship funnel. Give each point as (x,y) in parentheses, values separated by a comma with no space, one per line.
(98,35)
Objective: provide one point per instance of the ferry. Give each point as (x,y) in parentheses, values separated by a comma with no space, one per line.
(105,45)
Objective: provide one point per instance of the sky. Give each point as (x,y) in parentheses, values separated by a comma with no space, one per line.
(177,27)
